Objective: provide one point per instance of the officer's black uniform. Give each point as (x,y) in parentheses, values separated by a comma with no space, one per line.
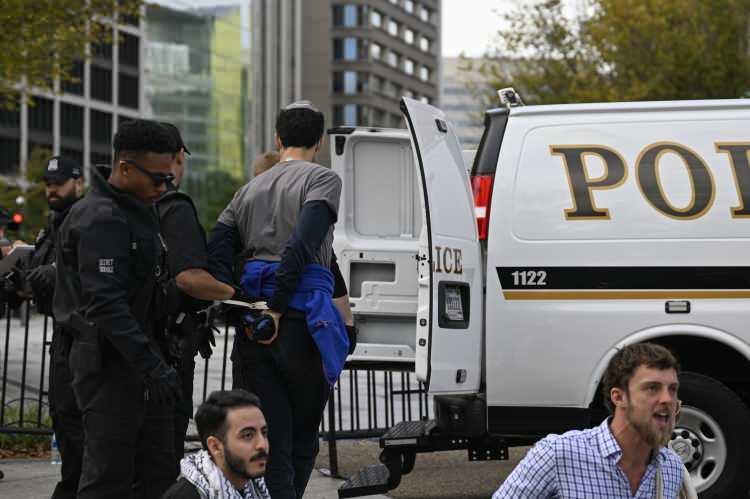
(186,243)
(40,275)
(108,261)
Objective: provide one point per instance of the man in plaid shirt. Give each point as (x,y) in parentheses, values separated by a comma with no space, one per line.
(621,457)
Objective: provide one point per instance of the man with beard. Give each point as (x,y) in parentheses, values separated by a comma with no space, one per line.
(63,180)
(231,465)
(624,456)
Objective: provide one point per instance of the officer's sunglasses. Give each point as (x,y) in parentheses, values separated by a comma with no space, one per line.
(158,179)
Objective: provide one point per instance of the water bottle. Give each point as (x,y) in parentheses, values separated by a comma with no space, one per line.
(54,451)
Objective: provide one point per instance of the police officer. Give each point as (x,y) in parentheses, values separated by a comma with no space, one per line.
(63,180)
(109,258)
(283,220)
(187,261)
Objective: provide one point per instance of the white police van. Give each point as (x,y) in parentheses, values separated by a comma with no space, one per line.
(581,229)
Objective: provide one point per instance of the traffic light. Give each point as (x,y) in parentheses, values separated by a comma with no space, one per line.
(15,221)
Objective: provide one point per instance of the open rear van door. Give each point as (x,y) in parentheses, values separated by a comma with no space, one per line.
(448,355)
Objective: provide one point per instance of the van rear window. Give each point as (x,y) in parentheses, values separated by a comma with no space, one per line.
(485,161)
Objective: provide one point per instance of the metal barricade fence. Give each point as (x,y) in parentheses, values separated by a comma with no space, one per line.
(365,402)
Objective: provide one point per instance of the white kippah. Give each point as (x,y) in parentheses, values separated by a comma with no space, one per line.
(302,104)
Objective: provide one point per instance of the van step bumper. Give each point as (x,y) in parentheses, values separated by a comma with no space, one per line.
(403,442)
(372,479)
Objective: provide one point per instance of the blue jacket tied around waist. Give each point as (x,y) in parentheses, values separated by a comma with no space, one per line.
(314,298)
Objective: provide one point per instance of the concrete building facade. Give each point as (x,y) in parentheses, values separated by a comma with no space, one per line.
(354,59)
(79,119)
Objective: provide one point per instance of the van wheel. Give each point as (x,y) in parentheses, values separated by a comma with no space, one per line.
(711,437)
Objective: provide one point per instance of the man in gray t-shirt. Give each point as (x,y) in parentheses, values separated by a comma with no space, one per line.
(266,210)
(286,215)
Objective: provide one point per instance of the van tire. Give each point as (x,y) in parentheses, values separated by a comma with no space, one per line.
(710,399)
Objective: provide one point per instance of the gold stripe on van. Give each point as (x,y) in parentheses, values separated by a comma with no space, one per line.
(624,294)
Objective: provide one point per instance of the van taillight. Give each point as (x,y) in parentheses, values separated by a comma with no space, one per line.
(481,185)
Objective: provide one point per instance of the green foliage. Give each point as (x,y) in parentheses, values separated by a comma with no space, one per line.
(15,444)
(622,50)
(35,207)
(213,194)
(41,39)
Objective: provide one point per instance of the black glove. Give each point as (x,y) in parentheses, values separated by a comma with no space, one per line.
(42,278)
(206,340)
(352,331)
(163,385)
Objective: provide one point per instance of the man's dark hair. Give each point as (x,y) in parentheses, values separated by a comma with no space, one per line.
(143,136)
(300,126)
(211,416)
(623,365)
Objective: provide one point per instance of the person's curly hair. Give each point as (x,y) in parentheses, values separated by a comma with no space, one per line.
(138,137)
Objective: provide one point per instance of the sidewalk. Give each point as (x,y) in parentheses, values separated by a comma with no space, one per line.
(35,479)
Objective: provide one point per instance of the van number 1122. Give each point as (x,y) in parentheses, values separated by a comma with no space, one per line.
(529,278)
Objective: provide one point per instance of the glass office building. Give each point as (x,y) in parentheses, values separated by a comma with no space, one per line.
(196,76)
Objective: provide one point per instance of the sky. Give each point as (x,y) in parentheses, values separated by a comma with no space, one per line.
(468,25)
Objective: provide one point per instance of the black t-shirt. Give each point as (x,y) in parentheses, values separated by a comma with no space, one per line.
(185,240)
(183,235)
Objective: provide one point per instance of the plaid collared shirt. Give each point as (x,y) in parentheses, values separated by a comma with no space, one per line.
(583,464)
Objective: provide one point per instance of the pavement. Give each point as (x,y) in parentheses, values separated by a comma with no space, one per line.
(36,478)
(440,475)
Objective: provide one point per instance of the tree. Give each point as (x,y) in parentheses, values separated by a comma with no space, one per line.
(40,40)
(622,50)
(35,207)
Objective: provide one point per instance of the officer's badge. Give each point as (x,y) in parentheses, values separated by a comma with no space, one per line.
(52,165)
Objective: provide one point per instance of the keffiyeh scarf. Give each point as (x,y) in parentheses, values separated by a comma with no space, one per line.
(200,470)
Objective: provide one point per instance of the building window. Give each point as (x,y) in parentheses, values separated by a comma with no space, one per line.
(10,117)
(409,36)
(40,115)
(377,84)
(71,121)
(346,49)
(129,49)
(128,90)
(102,50)
(101,127)
(424,73)
(375,50)
(101,83)
(350,114)
(409,6)
(74,154)
(347,16)
(409,66)
(393,27)
(74,87)
(349,82)
(424,14)
(376,19)
(424,43)
(347,115)
(394,2)
(393,58)
(9,155)
(101,158)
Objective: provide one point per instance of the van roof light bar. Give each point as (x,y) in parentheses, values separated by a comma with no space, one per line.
(509,97)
